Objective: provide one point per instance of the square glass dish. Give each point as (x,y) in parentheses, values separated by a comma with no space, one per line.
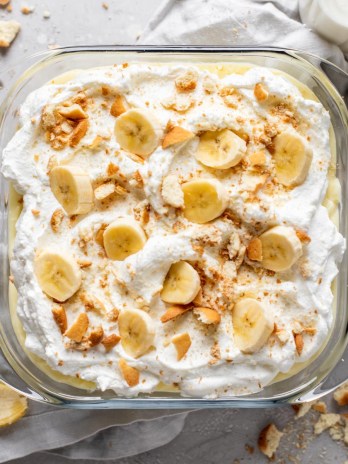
(326,81)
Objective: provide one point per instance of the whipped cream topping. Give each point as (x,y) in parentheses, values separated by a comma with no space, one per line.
(299,297)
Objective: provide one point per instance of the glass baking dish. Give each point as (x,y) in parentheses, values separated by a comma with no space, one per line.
(328,82)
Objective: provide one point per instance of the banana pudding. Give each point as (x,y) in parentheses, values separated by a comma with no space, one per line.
(173,229)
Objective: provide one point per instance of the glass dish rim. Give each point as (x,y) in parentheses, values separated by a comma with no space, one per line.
(180,402)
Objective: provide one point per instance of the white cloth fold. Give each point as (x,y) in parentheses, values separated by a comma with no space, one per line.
(82,434)
(129,431)
(128,440)
(236,23)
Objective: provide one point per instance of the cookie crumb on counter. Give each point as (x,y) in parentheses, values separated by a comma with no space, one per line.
(8,32)
(269,440)
(298,434)
(27,9)
(320,406)
(302,409)
(326,421)
(341,395)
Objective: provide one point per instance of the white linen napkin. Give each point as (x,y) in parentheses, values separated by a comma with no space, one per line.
(236,23)
(51,427)
(85,434)
(126,432)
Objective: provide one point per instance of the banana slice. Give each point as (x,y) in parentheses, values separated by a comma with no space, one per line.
(330,206)
(333,198)
(252,325)
(138,131)
(137,331)
(181,285)
(334,190)
(72,187)
(220,149)
(13,406)
(205,200)
(292,158)
(281,248)
(123,238)
(58,274)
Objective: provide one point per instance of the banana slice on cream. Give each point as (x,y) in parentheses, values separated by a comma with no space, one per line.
(181,285)
(137,331)
(292,158)
(123,238)
(204,200)
(281,248)
(221,149)
(58,274)
(252,325)
(138,131)
(72,187)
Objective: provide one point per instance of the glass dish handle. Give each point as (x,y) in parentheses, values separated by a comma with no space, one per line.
(11,378)
(337,76)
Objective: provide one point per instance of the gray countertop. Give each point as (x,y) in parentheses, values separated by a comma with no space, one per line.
(210,436)
(76,22)
(226,436)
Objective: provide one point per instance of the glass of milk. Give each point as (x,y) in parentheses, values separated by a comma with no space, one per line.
(329,18)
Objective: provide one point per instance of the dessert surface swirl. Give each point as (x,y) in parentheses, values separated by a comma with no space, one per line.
(173,229)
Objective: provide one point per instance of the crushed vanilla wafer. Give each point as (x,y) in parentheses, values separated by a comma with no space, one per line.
(176,135)
(78,329)
(182,343)
(129,373)
(173,312)
(8,32)
(269,440)
(207,315)
(341,395)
